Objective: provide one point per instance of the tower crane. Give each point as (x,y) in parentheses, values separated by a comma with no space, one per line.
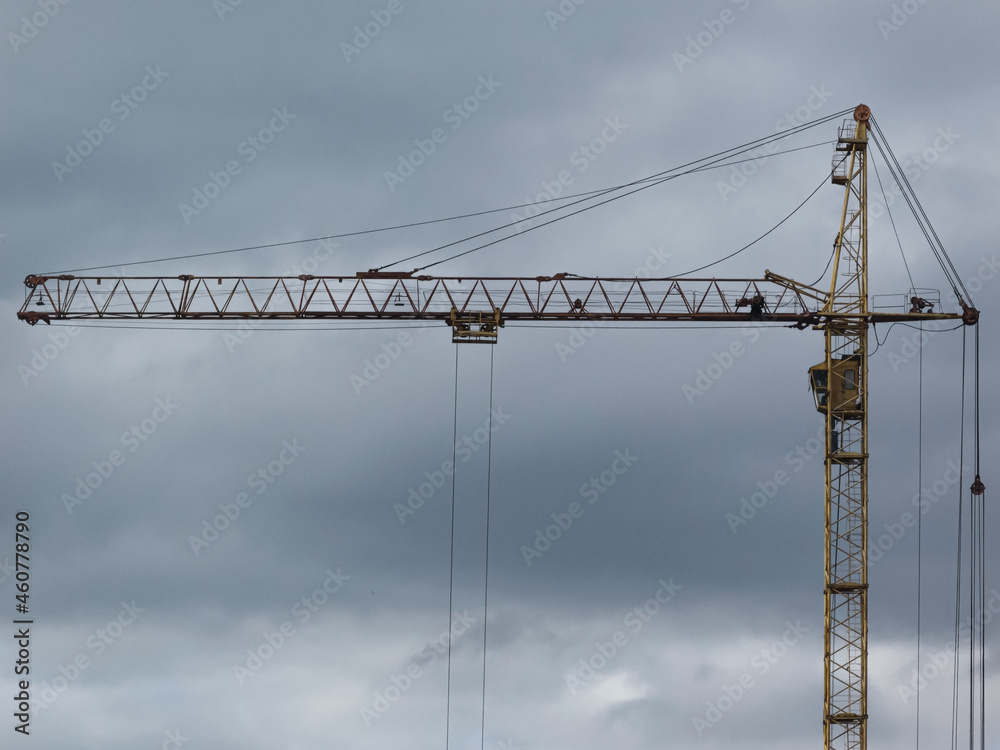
(477,307)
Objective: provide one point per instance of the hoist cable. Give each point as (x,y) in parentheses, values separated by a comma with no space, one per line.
(486,575)
(955,703)
(920,516)
(977,580)
(451,574)
(982,623)
(972,621)
(979,510)
(976,376)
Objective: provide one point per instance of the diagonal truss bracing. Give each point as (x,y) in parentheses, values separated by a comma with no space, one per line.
(372,296)
(846,465)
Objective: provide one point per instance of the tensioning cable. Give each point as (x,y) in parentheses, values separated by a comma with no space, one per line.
(643,184)
(892,221)
(923,222)
(473,214)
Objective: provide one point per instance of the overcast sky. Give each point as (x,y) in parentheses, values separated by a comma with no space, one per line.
(242,539)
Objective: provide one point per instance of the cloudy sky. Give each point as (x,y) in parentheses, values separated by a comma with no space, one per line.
(242,538)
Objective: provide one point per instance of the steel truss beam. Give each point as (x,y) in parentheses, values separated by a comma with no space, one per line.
(394,296)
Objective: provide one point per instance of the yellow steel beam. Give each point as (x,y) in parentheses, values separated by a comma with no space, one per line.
(845,322)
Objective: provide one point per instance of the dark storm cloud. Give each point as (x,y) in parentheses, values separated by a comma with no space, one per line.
(284,527)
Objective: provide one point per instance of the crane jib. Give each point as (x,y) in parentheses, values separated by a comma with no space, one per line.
(401,296)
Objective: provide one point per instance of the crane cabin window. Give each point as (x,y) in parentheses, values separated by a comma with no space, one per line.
(850,379)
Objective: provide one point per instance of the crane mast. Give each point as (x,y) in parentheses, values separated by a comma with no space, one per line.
(844,400)
(476,307)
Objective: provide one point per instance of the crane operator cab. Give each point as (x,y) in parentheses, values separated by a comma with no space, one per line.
(840,391)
